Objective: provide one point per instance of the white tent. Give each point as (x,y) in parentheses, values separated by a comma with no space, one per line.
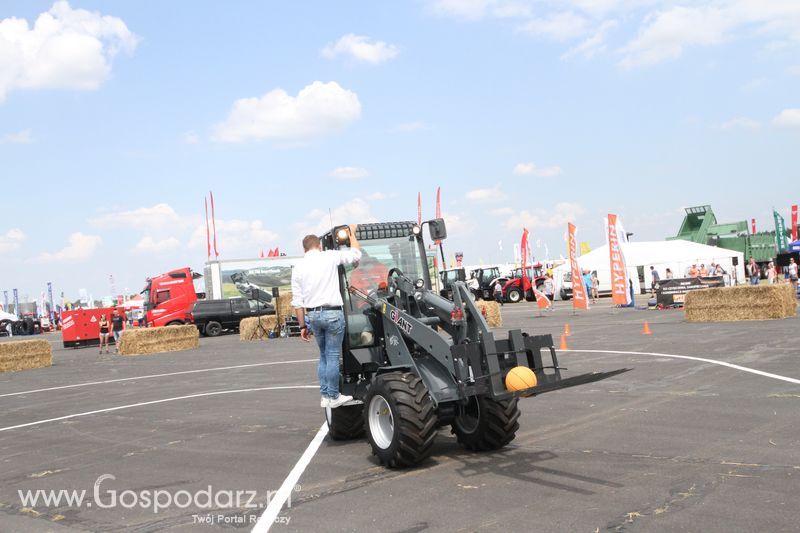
(676,255)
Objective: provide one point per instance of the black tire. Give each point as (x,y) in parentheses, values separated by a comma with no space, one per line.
(345,422)
(514,295)
(26,327)
(212,329)
(413,419)
(487,424)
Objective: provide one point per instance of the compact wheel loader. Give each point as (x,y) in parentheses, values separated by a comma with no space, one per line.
(415,361)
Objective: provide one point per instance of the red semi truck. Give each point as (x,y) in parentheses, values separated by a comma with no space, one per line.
(169,297)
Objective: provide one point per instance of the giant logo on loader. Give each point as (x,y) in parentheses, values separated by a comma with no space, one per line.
(402,323)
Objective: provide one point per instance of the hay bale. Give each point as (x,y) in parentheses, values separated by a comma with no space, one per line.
(491,310)
(249,330)
(146,341)
(760,302)
(283,305)
(24,355)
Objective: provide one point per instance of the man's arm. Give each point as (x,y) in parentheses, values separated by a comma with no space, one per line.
(298,304)
(352,254)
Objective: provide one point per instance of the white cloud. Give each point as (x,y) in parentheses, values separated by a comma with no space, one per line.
(160,217)
(793,70)
(64,49)
(318,109)
(149,245)
(493,194)
(555,217)
(665,34)
(235,237)
(191,137)
(360,48)
(80,247)
(457,225)
(318,221)
(741,123)
(502,211)
(349,173)
(529,169)
(789,118)
(11,240)
(477,9)
(558,26)
(20,137)
(592,45)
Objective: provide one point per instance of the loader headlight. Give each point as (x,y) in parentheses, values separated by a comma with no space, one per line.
(342,235)
(419,284)
(416,230)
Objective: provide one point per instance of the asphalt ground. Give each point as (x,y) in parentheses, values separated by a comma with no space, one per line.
(674,445)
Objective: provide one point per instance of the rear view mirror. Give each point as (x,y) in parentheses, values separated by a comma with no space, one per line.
(438,229)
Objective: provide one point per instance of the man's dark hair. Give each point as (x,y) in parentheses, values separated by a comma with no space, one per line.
(310,242)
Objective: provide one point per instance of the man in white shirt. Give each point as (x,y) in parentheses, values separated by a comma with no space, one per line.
(318,306)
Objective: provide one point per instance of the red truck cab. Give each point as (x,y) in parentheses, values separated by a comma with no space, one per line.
(169,297)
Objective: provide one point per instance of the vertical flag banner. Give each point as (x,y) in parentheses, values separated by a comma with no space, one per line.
(419,208)
(753,226)
(439,207)
(523,246)
(794,223)
(542,301)
(214,223)
(619,274)
(16,304)
(261,254)
(585,248)
(208,232)
(780,232)
(579,297)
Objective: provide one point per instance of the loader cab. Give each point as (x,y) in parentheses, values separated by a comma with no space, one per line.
(384,246)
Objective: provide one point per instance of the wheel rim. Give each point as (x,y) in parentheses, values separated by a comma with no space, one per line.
(470,416)
(513,296)
(381,422)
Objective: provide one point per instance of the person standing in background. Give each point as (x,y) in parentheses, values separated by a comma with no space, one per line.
(498,293)
(669,274)
(103,323)
(753,272)
(772,273)
(117,326)
(595,287)
(654,279)
(792,271)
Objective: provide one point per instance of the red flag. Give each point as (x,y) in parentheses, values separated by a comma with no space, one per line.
(262,254)
(419,208)
(523,246)
(794,223)
(271,253)
(579,297)
(208,235)
(619,276)
(277,252)
(753,222)
(214,223)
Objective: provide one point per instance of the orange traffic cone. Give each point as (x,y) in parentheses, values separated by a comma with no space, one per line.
(563,345)
(646,330)
(567,332)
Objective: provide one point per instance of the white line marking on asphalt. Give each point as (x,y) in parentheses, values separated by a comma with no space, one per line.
(279,498)
(153,402)
(151,376)
(702,359)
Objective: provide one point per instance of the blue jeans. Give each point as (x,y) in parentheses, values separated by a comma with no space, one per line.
(754,280)
(328,329)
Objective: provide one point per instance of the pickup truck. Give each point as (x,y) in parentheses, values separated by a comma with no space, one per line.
(212,317)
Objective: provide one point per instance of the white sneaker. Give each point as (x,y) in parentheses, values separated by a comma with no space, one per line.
(325,402)
(338,402)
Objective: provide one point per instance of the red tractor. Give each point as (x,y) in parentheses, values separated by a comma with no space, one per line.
(513,290)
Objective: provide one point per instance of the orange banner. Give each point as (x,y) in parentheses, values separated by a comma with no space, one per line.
(579,297)
(619,277)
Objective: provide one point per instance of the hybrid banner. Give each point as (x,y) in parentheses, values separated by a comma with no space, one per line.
(794,223)
(780,232)
(619,275)
(579,297)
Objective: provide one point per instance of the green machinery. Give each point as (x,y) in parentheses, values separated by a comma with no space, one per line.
(701,226)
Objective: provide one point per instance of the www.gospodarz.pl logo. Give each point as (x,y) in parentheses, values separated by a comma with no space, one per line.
(156,500)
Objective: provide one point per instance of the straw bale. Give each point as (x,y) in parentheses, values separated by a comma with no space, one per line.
(283,305)
(491,311)
(760,302)
(249,330)
(24,355)
(146,341)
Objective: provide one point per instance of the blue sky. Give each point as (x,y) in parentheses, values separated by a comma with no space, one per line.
(116,118)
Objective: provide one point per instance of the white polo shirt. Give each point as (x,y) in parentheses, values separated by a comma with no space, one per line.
(315,279)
